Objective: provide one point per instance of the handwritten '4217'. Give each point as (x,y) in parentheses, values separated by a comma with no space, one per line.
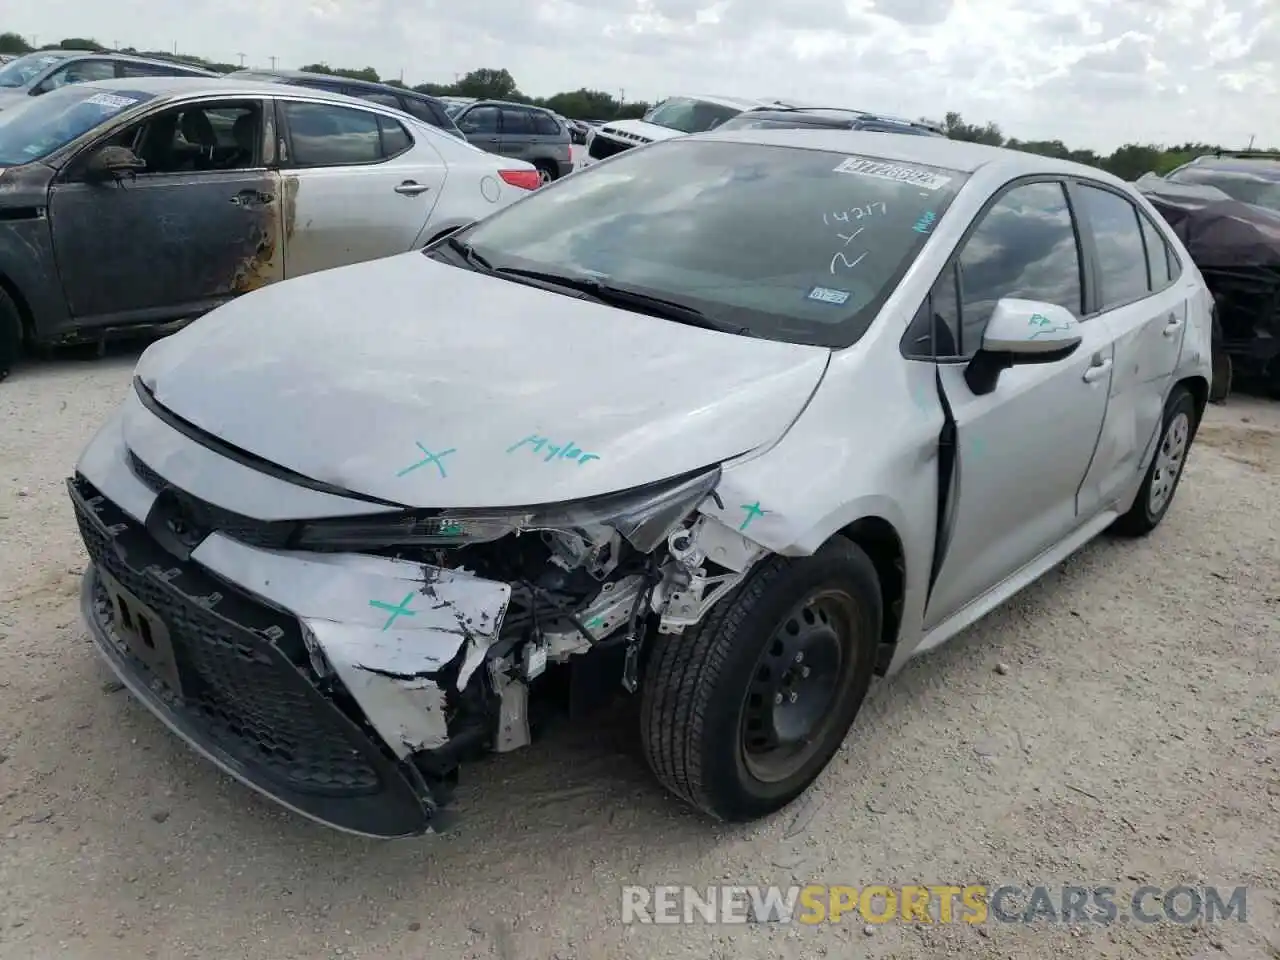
(857,213)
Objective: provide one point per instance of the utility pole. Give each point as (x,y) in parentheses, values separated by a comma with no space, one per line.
(273,62)
(175,48)
(241,56)
(1252,137)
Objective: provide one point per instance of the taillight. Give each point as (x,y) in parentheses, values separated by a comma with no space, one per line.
(524,179)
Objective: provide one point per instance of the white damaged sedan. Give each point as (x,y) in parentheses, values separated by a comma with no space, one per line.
(734,423)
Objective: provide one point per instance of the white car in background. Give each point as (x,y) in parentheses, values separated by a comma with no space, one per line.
(673,117)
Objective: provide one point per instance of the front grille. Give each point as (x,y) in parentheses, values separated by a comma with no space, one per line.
(205,517)
(603,147)
(237,662)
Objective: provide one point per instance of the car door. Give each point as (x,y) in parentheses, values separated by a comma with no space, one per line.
(361,185)
(518,134)
(481,126)
(1136,296)
(200,224)
(1023,450)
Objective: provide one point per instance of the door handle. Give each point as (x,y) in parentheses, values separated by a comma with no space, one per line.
(1173,325)
(1097,370)
(411,188)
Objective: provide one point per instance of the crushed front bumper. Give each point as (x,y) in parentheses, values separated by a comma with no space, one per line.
(280,669)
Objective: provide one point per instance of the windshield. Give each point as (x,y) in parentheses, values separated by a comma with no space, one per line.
(790,244)
(1237,184)
(690,116)
(38,127)
(20,72)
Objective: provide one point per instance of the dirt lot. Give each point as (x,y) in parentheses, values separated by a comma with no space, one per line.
(1118,724)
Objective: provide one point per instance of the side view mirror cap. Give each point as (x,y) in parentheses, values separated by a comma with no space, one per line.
(1021,332)
(1031,331)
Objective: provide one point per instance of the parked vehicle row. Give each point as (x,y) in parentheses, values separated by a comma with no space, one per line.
(146,202)
(846,393)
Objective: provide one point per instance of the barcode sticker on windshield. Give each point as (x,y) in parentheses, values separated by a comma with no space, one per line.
(892,171)
(111,100)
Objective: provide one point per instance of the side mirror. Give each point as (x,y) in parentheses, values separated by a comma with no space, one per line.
(1021,332)
(113,163)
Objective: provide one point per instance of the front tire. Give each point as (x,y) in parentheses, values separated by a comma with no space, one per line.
(1177,429)
(740,714)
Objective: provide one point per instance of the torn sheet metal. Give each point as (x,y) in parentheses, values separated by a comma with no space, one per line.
(406,710)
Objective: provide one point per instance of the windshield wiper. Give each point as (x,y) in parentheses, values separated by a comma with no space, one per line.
(605,292)
(468,253)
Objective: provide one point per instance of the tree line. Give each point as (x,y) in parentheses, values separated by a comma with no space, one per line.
(1129,161)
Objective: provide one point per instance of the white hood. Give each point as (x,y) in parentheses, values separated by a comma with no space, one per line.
(638,131)
(340,375)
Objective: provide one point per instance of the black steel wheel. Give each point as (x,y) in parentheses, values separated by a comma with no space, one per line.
(10,333)
(741,714)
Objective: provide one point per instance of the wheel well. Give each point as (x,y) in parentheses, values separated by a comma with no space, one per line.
(880,541)
(24,309)
(1198,387)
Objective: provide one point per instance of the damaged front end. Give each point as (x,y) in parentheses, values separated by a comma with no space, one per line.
(590,579)
(345,667)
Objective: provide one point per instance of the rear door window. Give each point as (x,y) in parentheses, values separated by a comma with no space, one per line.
(1122,256)
(517,123)
(328,135)
(545,125)
(1158,257)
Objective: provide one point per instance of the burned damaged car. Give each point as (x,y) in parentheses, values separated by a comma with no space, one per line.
(139,204)
(732,424)
(1226,210)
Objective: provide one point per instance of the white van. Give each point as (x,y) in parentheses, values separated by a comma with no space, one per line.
(673,117)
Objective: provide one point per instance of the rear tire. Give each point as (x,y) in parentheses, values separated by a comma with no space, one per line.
(1220,387)
(546,172)
(740,714)
(10,334)
(1177,429)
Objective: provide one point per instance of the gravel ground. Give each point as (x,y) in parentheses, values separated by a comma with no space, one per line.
(1118,723)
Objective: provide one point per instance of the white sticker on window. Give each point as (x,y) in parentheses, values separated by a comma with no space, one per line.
(111,100)
(828,295)
(892,171)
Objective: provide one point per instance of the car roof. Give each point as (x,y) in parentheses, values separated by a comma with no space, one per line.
(218,85)
(509,103)
(957,155)
(334,78)
(123,57)
(1266,166)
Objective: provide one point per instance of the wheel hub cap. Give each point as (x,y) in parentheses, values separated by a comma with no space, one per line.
(1170,458)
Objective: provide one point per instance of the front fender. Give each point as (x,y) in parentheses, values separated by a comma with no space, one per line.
(27,263)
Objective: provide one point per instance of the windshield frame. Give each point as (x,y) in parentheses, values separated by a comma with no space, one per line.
(839,335)
(53,58)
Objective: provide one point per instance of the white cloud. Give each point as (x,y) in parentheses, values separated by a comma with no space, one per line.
(1094,73)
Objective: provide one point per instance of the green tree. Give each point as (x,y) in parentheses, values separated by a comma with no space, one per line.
(13,43)
(488,84)
(957,129)
(80,43)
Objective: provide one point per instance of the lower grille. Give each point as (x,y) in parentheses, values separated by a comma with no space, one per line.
(603,147)
(240,693)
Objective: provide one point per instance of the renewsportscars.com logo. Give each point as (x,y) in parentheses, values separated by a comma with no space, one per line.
(937,903)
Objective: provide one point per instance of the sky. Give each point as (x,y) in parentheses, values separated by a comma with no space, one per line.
(1092,73)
